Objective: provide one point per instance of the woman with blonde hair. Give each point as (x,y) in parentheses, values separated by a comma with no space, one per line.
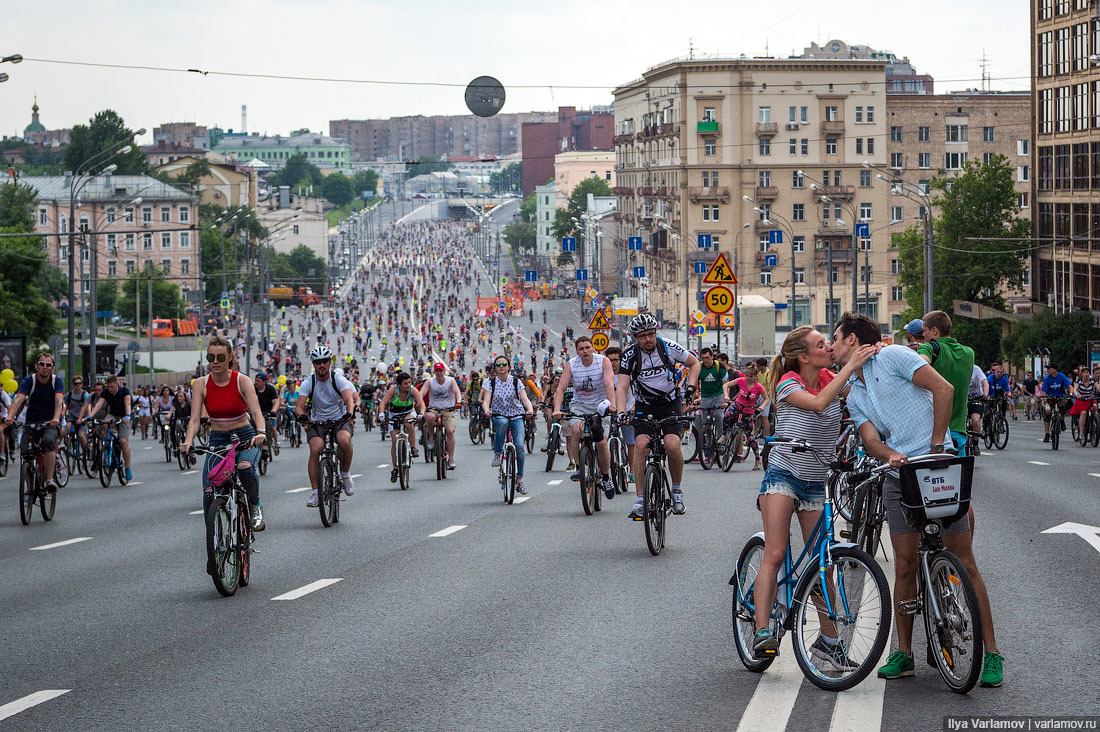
(806,395)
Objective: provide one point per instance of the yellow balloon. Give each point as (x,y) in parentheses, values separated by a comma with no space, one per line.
(10,385)
(6,375)
(282,381)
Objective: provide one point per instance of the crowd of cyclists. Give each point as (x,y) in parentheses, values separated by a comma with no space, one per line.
(414,303)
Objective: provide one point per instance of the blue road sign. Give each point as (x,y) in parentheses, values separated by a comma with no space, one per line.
(700,296)
(775,236)
(771,260)
(634,243)
(699,267)
(502,304)
(704,241)
(863,229)
(639,272)
(104,313)
(781,306)
(494,262)
(582,275)
(569,244)
(530,275)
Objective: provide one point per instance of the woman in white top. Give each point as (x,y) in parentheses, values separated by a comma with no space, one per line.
(142,404)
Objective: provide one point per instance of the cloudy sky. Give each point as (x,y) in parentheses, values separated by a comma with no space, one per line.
(569,52)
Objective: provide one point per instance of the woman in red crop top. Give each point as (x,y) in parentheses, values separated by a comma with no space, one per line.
(228,399)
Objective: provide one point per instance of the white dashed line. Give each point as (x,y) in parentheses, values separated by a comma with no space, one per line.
(311,587)
(384,465)
(147,448)
(191,472)
(136,482)
(1095,475)
(521,499)
(196,513)
(30,700)
(1037,462)
(77,540)
(356,475)
(447,531)
(554,482)
(298,490)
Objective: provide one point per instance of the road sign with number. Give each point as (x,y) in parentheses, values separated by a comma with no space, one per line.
(599,321)
(600,341)
(720,273)
(719,300)
(634,243)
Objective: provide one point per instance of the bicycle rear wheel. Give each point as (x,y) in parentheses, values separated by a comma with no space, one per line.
(1095,431)
(61,468)
(589,500)
(529,438)
(441,454)
(328,492)
(244,542)
(166,438)
(955,638)
(264,460)
(744,620)
(1075,430)
(509,463)
(106,467)
(689,442)
(27,491)
(403,463)
(222,555)
(120,466)
(1055,431)
(181,456)
(653,509)
(618,466)
(853,607)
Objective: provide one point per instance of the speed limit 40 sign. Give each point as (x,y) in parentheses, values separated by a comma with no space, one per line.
(719,300)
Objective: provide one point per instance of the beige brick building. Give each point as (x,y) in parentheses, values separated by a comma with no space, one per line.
(693,136)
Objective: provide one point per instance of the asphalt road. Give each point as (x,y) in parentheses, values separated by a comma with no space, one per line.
(530,616)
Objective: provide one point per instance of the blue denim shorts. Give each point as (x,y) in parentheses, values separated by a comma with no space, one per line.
(807,495)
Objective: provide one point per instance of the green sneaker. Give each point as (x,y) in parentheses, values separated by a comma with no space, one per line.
(992,673)
(897,665)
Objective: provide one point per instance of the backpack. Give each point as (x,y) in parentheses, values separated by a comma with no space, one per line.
(34,385)
(636,367)
(493,388)
(313,386)
(935,351)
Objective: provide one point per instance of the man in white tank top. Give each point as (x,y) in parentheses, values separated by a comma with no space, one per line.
(442,392)
(593,384)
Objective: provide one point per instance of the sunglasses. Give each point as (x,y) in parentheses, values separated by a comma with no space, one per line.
(77,382)
(498,365)
(321,363)
(219,357)
(45,365)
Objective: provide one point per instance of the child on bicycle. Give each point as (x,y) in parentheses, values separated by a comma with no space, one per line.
(741,407)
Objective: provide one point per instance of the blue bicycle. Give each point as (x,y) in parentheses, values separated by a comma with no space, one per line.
(838,610)
(110,454)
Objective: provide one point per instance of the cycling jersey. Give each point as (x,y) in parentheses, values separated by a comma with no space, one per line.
(655,383)
(1056,386)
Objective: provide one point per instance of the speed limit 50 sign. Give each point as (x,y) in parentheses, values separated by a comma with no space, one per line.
(719,300)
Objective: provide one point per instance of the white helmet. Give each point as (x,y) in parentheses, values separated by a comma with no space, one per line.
(320,353)
(643,322)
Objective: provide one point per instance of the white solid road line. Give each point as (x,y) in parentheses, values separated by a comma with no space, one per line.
(356,475)
(136,482)
(77,540)
(521,499)
(554,482)
(772,702)
(447,531)
(311,587)
(298,490)
(30,700)
(1037,462)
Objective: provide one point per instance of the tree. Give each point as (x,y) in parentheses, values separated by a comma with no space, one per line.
(337,189)
(528,209)
(104,131)
(297,169)
(365,180)
(188,179)
(27,282)
(429,164)
(300,268)
(1066,336)
(974,257)
(167,302)
(507,180)
(520,235)
(16,205)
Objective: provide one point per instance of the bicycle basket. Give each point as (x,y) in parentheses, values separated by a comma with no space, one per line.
(938,491)
(220,474)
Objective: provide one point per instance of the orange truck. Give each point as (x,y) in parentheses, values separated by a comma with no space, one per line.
(289,296)
(168,327)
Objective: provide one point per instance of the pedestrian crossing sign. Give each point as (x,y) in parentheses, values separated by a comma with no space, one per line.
(225,303)
(599,321)
(720,273)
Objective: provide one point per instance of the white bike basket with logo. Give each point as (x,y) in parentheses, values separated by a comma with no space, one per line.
(936,491)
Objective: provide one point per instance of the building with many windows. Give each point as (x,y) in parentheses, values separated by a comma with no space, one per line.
(1065,72)
(321,150)
(737,148)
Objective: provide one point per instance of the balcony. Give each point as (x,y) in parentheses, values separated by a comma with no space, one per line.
(834,127)
(840,256)
(622,190)
(623,139)
(834,192)
(710,126)
(765,194)
(720,194)
(766,129)
(759,225)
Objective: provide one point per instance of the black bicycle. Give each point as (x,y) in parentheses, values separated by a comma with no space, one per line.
(229,534)
(708,438)
(479,425)
(439,446)
(587,464)
(994,423)
(620,462)
(32,477)
(657,485)
(1056,425)
(329,483)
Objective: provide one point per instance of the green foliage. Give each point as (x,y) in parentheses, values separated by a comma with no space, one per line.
(508,180)
(298,172)
(44,161)
(187,179)
(167,302)
(106,295)
(428,164)
(337,189)
(28,284)
(520,235)
(104,131)
(16,206)
(365,180)
(1066,336)
(528,209)
(300,268)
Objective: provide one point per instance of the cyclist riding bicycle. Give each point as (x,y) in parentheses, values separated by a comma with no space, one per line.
(44,394)
(116,402)
(1084,397)
(593,382)
(504,396)
(711,398)
(268,397)
(1056,385)
(75,399)
(326,396)
(400,400)
(442,392)
(999,386)
(743,407)
(647,365)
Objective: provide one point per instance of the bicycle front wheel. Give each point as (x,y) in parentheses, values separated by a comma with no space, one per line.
(441,454)
(106,467)
(589,499)
(328,493)
(653,509)
(956,635)
(706,449)
(61,467)
(403,463)
(690,444)
(26,493)
(1000,431)
(841,627)
(222,556)
(508,461)
(744,604)
(553,443)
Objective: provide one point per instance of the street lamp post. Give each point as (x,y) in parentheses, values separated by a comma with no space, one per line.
(914,193)
(736,304)
(788,230)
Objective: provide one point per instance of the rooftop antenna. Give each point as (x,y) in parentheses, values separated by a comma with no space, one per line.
(691,48)
(765,48)
(984,60)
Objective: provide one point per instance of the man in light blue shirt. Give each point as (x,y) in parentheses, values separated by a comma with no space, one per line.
(902,408)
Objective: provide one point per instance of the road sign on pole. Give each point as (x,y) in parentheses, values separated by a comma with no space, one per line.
(530,275)
(704,241)
(775,236)
(599,321)
(569,243)
(771,260)
(699,316)
(719,300)
(634,243)
(720,273)
(639,273)
(699,267)
(600,341)
(863,229)
(582,275)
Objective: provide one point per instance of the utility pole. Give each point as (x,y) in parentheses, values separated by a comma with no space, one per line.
(794,307)
(855,268)
(152,372)
(929,281)
(736,308)
(829,305)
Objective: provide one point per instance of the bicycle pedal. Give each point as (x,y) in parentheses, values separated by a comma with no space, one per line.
(908,607)
(847,534)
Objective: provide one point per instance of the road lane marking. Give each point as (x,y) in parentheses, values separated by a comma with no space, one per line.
(356,475)
(384,465)
(77,540)
(772,702)
(191,472)
(311,587)
(521,499)
(30,700)
(554,482)
(1037,462)
(299,490)
(147,448)
(136,482)
(196,513)
(1091,534)
(1095,475)
(447,531)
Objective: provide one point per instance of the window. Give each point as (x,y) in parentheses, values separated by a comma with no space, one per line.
(1062,51)
(83,222)
(1024,200)
(112,267)
(834,275)
(895,216)
(710,147)
(129,246)
(922,186)
(185,214)
(803,114)
(1046,8)
(706,179)
(830,146)
(988,134)
(166,240)
(765,246)
(895,134)
(798,243)
(710,212)
(185,240)
(825,214)
(764,115)
(793,114)
(865,178)
(897,293)
(147,242)
(129,215)
(710,114)
(1080,107)
(956,133)
(924,160)
(185,266)
(806,141)
(864,243)
(986,157)
(859,114)
(797,180)
(870,114)
(895,160)
(165,214)
(1023,147)
(798,212)
(870,146)
(799,276)
(924,134)
(130,266)
(1080,166)
(714,177)
(859,146)
(765,277)
(792,145)
(147,215)
(166,266)
(1045,54)
(765,178)
(112,243)
(765,147)
(831,114)
(895,266)
(1045,111)
(111,215)
(864,212)
(1081,47)
(954,160)
(765,211)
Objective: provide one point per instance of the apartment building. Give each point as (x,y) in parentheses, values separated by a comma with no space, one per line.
(738,148)
(1065,69)
(320,150)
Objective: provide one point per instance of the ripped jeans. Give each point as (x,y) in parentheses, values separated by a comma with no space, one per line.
(249,478)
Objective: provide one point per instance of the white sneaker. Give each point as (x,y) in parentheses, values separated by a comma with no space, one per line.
(349,485)
(313,502)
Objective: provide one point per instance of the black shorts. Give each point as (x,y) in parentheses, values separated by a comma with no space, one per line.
(658,412)
(975,407)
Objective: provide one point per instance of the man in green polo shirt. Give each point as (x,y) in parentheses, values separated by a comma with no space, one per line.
(954,362)
(712,375)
